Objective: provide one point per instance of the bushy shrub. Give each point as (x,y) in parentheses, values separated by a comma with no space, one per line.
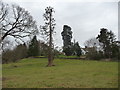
(17,53)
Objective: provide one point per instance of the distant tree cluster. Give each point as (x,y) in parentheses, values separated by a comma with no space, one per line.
(69,47)
(14,55)
(32,49)
(109,44)
(37,48)
(17,22)
(104,46)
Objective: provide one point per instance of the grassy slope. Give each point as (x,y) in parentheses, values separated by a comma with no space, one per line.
(32,73)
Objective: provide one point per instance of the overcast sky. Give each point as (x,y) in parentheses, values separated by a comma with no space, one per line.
(85,18)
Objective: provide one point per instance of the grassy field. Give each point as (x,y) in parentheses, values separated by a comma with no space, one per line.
(32,73)
(64,56)
(61,56)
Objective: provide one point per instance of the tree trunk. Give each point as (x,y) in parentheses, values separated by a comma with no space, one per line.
(50,62)
(50,59)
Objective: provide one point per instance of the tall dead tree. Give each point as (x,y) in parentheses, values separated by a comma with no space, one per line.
(16,22)
(48,30)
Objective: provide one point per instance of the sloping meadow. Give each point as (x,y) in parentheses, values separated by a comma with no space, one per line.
(33,73)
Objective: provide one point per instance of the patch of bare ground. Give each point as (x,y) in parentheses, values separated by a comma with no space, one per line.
(4,78)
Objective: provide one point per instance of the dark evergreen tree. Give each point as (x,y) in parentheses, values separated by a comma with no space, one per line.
(67,36)
(33,47)
(107,38)
(68,50)
(77,49)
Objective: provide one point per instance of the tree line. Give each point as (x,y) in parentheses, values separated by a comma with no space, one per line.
(33,48)
(17,22)
(104,46)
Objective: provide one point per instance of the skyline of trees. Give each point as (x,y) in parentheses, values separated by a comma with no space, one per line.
(9,5)
(18,23)
(104,46)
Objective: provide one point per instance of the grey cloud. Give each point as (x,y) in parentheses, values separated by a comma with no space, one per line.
(85,18)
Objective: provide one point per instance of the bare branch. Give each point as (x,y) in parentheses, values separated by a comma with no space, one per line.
(4,11)
(17,22)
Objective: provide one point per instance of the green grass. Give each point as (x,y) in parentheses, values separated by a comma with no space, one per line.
(64,56)
(32,73)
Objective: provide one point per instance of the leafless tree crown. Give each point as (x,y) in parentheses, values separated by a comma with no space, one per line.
(16,21)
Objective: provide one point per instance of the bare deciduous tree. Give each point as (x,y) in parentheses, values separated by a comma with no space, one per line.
(4,11)
(93,42)
(16,22)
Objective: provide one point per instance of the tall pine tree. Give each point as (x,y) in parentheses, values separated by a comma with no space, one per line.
(48,31)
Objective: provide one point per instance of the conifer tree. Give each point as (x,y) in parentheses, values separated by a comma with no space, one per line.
(33,47)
